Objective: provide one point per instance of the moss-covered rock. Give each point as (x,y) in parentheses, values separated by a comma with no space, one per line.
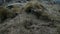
(5,13)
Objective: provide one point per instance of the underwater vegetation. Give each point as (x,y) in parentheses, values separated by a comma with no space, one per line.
(34,8)
(6,13)
(31,17)
(38,10)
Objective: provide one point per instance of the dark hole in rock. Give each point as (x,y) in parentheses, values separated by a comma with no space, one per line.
(19,1)
(8,0)
(30,10)
(11,6)
(28,0)
(38,13)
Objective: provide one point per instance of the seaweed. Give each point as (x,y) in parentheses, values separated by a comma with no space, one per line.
(5,13)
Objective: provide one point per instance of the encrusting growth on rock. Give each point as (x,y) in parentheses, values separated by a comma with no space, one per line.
(6,13)
(36,9)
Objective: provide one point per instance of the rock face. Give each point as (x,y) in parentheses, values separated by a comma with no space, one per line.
(31,17)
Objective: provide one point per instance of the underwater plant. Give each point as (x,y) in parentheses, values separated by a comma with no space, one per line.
(37,9)
(40,11)
(6,13)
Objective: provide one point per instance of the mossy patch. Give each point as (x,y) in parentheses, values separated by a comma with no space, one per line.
(5,13)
